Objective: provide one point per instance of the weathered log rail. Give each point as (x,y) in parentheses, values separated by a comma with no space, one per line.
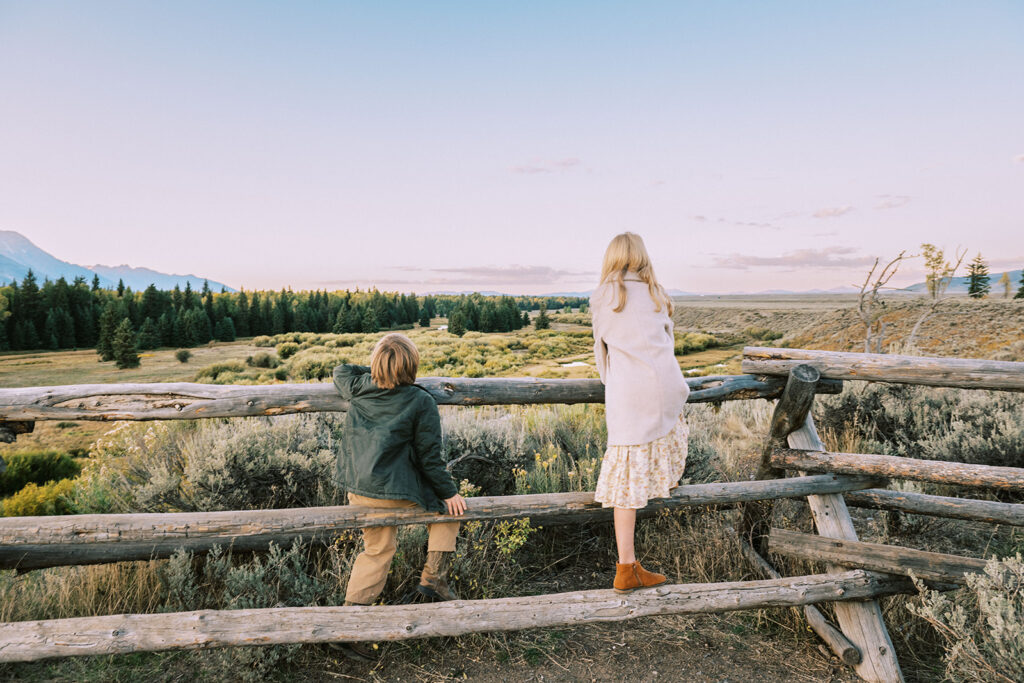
(33,640)
(966,373)
(878,557)
(37,542)
(991,511)
(187,401)
(892,466)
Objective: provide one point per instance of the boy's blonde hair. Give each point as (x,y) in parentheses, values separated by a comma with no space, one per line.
(625,253)
(394,361)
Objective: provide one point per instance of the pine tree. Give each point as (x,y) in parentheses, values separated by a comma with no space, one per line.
(1020,292)
(124,345)
(225,331)
(526,318)
(108,323)
(457,323)
(542,321)
(149,336)
(369,322)
(120,288)
(424,318)
(978,283)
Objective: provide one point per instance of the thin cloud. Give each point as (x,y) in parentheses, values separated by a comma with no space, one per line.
(828,257)
(740,224)
(501,275)
(558,165)
(1019,158)
(832,212)
(892,201)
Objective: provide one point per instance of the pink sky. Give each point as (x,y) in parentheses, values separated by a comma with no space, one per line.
(457,146)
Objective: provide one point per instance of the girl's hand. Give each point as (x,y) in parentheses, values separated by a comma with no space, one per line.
(456,505)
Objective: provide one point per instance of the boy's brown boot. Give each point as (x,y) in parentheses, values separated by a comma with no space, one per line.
(360,652)
(433,583)
(630,576)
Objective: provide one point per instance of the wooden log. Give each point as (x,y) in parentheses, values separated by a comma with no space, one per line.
(879,557)
(186,401)
(37,542)
(966,373)
(861,622)
(34,640)
(939,506)
(891,466)
(833,637)
(789,414)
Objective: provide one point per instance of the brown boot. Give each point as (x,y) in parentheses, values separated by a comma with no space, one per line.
(360,652)
(630,576)
(433,582)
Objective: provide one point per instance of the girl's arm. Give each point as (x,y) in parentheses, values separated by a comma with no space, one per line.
(345,377)
(427,445)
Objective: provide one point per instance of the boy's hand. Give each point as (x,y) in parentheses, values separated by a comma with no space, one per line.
(456,505)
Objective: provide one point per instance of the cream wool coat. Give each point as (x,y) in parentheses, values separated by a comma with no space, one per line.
(634,350)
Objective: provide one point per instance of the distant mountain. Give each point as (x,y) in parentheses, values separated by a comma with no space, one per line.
(140,278)
(18,255)
(959,284)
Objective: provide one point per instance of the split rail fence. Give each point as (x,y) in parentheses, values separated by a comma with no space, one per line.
(856,575)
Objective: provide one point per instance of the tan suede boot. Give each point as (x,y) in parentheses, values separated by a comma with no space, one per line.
(631,576)
(360,652)
(433,580)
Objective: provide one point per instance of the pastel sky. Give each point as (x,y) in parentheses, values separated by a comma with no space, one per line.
(500,145)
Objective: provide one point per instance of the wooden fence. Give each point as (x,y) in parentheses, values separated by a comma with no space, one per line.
(856,575)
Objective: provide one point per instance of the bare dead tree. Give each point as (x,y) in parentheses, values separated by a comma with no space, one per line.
(940,275)
(871,307)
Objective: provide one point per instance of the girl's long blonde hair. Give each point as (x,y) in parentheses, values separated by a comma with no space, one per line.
(627,253)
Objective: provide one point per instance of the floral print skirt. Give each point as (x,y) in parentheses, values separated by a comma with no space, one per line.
(631,475)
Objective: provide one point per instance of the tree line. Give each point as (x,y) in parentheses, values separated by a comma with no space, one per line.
(61,315)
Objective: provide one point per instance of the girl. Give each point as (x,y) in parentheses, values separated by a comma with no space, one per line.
(645,393)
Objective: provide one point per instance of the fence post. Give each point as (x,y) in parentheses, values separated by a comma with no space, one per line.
(861,622)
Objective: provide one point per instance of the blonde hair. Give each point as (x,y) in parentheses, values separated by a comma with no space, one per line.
(626,253)
(394,361)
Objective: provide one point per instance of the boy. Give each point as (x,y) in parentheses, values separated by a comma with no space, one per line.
(391,458)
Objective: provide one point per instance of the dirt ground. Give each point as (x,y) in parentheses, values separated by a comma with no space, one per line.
(686,648)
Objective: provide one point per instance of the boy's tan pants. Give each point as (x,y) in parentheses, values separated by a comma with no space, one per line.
(370,570)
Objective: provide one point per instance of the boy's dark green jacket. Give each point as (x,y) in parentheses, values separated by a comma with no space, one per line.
(391,447)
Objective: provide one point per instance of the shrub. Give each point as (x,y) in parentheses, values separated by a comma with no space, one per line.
(220,372)
(314,364)
(182,355)
(981,626)
(286,350)
(972,426)
(762,334)
(262,340)
(262,360)
(238,464)
(36,467)
(55,498)
(689,342)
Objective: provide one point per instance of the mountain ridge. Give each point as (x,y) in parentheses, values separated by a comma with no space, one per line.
(18,255)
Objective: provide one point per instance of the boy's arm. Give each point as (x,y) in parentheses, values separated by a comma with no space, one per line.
(427,445)
(345,377)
